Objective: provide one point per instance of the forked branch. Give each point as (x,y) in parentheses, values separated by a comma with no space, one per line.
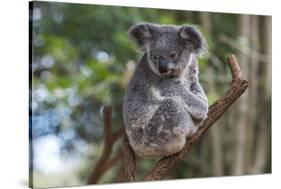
(104,163)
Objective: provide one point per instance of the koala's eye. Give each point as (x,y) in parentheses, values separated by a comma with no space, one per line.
(173,55)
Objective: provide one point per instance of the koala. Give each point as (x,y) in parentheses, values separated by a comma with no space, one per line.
(164,103)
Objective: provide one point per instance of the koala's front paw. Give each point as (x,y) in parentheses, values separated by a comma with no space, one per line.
(203,113)
(198,111)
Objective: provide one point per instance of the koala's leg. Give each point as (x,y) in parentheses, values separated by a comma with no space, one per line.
(136,116)
(167,131)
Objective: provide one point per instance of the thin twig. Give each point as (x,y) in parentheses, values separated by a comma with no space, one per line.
(216,110)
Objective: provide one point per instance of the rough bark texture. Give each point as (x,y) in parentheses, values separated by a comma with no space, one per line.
(216,110)
(129,160)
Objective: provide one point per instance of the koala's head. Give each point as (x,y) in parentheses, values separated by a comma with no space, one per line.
(169,48)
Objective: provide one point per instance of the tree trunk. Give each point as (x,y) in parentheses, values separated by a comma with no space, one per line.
(264,88)
(241,127)
(253,91)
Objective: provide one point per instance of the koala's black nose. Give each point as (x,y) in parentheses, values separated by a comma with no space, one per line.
(163,65)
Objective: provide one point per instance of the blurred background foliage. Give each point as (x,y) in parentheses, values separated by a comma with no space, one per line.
(82,59)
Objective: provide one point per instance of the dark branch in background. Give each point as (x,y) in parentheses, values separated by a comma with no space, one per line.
(112,161)
(104,163)
(216,110)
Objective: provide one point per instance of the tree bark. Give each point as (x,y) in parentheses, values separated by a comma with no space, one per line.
(129,160)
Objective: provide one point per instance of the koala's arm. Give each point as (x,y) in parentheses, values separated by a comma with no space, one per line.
(196,105)
(194,85)
(193,94)
(196,89)
(193,103)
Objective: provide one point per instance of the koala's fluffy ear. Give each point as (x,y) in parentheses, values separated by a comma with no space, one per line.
(142,33)
(193,39)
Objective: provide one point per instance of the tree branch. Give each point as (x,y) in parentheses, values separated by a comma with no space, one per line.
(109,139)
(216,110)
(112,161)
(129,160)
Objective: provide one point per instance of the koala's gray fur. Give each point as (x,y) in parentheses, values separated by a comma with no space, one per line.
(164,103)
